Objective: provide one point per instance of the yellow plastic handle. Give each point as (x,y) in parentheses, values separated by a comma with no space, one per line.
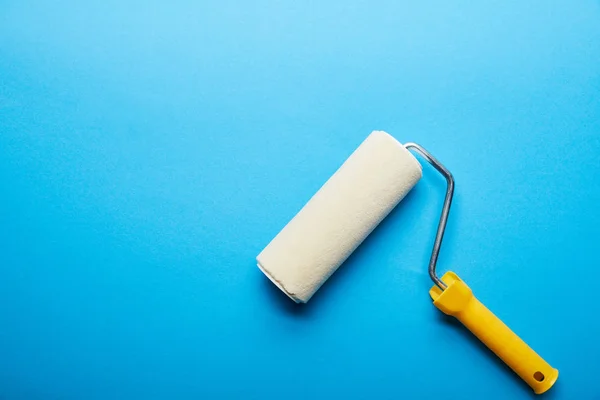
(458,300)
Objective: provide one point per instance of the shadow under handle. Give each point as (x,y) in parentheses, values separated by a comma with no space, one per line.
(458,301)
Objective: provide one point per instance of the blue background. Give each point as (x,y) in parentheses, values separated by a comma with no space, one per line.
(150,149)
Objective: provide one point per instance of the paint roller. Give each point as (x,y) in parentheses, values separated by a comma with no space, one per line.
(346,209)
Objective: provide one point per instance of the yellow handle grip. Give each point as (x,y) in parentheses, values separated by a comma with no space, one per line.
(458,300)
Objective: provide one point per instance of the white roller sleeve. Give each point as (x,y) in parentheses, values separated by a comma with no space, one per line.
(340,216)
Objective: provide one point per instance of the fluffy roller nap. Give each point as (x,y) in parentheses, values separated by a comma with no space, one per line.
(361,193)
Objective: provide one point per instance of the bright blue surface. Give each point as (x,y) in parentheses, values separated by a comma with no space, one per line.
(149,151)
